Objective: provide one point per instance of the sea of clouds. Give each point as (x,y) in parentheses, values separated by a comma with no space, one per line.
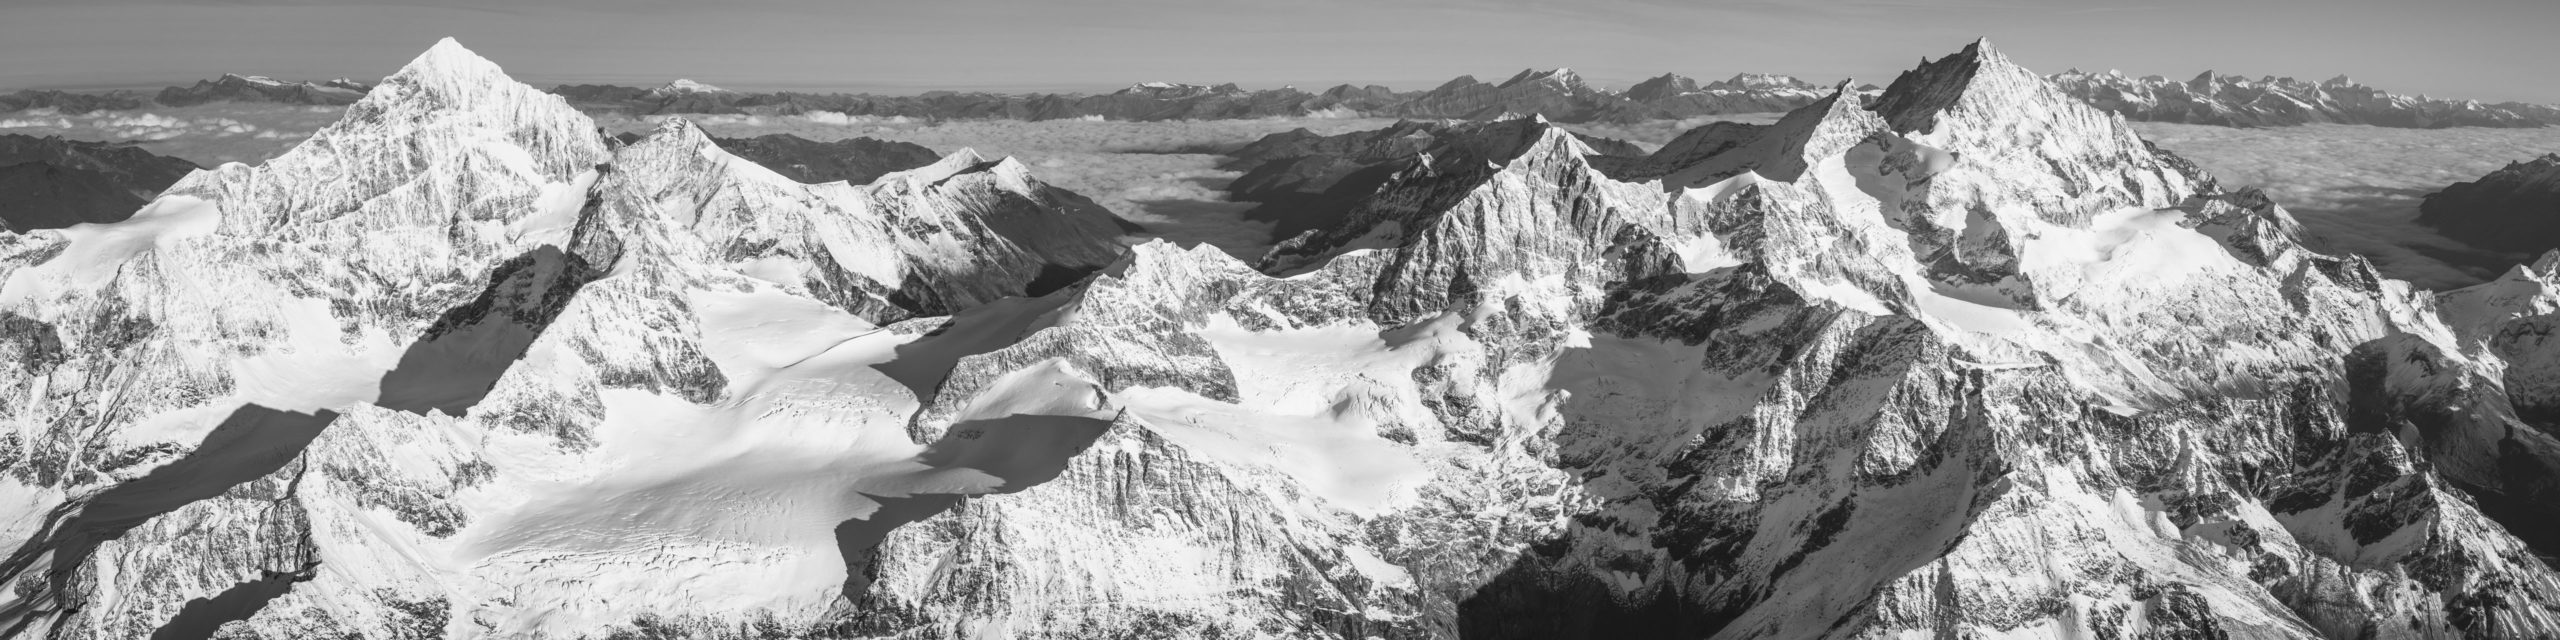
(2356,189)
(207,135)
(1162,175)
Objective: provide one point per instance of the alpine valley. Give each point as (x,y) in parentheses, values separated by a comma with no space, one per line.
(1962,356)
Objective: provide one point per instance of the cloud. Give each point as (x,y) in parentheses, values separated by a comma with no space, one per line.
(1161,174)
(208,134)
(2356,189)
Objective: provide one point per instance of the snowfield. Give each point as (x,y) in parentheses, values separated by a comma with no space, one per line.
(1970,359)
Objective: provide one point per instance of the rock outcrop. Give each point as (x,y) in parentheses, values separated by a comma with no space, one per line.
(1973,361)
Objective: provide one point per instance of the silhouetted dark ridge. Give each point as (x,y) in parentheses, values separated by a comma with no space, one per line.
(1305,181)
(1913,101)
(50,182)
(855,160)
(1660,87)
(70,102)
(2512,209)
(239,88)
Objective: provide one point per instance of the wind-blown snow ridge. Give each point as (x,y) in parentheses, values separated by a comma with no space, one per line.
(1977,344)
(453,230)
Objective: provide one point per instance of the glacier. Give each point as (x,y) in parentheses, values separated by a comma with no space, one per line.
(1970,360)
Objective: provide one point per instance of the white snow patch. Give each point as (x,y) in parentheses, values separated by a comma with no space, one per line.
(1376,568)
(555,211)
(315,369)
(1336,455)
(1705,252)
(98,251)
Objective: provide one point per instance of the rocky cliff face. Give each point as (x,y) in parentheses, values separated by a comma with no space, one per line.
(2512,209)
(304,338)
(1975,361)
(2237,101)
(1303,181)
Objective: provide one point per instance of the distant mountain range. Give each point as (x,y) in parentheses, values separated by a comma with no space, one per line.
(1560,95)
(1964,358)
(2237,101)
(228,88)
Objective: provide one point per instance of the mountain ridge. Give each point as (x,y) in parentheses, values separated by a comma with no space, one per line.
(1972,359)
(2210,99)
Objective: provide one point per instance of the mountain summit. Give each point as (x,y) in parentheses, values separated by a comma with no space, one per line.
(1972,360)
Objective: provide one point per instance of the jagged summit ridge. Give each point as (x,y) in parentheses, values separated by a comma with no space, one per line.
(1916,98)
(2031,247)
(2008,361)
(458,250)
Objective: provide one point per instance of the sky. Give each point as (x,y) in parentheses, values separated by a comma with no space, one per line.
(2494,50)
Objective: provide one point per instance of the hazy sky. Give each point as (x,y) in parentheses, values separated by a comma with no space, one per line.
(2486,49)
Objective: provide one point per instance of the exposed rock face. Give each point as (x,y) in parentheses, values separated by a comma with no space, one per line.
(1305,181)
(1782,151)
(2236,101)
(2512,209)
(239,88)
(303,337)
(933,240)
(51,183)
(1976,361)
(855,160)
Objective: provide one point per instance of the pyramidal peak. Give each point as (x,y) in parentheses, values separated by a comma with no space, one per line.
(1560,77)
(952,164)
(449,76)
(446,105)
(688,85)
(682,129)
(449,59)
(1916,98)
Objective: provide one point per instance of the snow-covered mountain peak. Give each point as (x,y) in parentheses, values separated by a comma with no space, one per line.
(1762,82)
(1998,359)
(686,85)
(1662,87)
(951,164)
(1915,99)
(1560,79)
(450,62)
(680,128)
(1783,151)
